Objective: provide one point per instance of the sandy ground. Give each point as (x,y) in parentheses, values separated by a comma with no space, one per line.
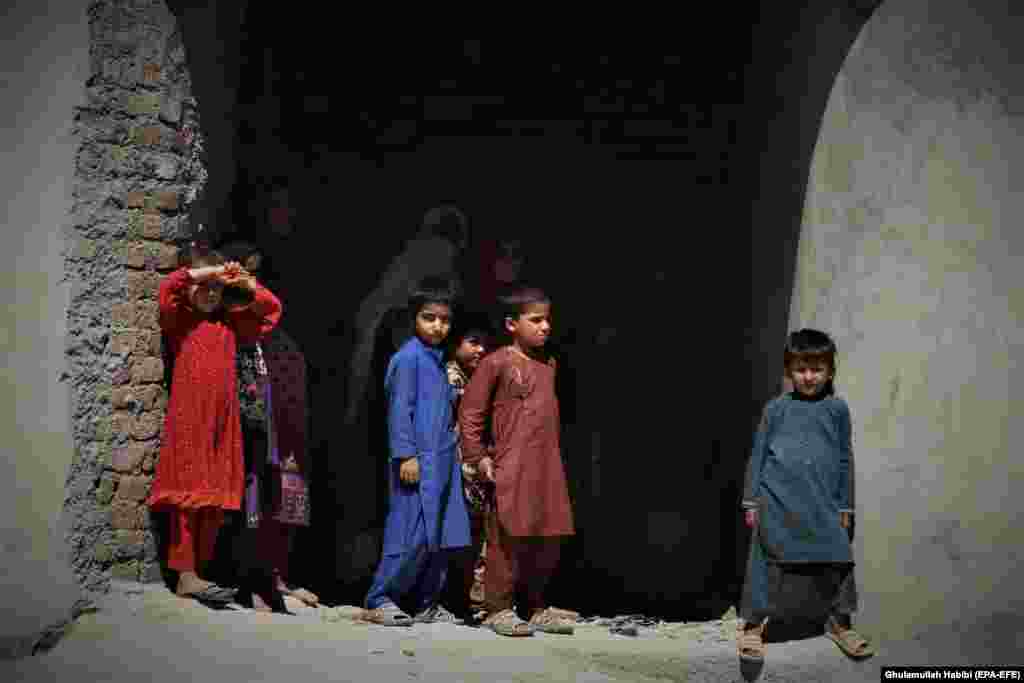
(144,633)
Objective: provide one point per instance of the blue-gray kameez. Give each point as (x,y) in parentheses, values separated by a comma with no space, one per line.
(799,479)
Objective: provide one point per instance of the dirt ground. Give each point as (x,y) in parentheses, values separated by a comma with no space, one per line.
(144,633)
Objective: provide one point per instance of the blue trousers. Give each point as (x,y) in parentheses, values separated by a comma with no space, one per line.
(414,579)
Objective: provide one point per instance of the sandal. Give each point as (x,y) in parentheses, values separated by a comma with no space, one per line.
(849,641)
(565,613)
(387,615)
(508,623)
(551,621)
(212,596)
(750,642)
(437,615)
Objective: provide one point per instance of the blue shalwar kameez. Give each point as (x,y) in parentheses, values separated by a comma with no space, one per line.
(799,479)
(427,520)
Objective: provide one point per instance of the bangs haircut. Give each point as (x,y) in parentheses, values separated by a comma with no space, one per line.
(810,346)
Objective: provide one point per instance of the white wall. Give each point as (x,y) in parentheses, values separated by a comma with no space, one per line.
(910,254)
(44,62)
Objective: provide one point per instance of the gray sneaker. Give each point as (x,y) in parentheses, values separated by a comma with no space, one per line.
(437,615)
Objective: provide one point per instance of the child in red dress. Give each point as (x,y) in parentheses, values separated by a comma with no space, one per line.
(200,473)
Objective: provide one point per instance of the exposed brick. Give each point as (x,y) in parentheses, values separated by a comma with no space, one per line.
(167,200)
(151,396)
(127,458)
(133,488)
(143,104)
(137,284)
(156,344)
(151,226)
(167,257)
(151,73)
(125,515)
(147,426)
(123,315)
(135,256)
(121,423)
(147,135)
(105,490)
(102,428)
(130,544)
(123,343)
(148,370)
(121,376)
(123,397)
(135,200)
(147,315)
(125,571)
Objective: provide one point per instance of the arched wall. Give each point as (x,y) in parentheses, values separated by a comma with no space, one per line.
(910,255)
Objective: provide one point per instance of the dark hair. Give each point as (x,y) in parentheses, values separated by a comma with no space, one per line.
(196,255)
(239,250)
(470,327)
(811,345)
(431,290)
(514,304)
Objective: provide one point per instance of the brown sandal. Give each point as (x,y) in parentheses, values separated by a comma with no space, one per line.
(850,642)
(508,623)
(550,621)
(750,642)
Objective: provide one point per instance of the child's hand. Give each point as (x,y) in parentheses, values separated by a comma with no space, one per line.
(750,518)
(844,519)
(409,471)
(486,468)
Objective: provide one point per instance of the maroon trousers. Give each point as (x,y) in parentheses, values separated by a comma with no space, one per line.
(520,565)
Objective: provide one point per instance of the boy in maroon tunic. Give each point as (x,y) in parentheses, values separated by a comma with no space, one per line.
(514,388)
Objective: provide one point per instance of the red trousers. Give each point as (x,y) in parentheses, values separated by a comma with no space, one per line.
(518,565)
(193,537)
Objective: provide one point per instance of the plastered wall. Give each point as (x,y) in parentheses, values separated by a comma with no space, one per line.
(44,58)
(910,254)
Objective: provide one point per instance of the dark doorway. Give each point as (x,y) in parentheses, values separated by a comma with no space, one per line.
(615,167)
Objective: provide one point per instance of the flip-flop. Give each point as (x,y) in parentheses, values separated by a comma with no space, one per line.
(508,623)
(851,643)
(212,595)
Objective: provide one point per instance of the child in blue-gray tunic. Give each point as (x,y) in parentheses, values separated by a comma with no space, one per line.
(798,500)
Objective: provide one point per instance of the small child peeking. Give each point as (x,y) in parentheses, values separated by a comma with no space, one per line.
(427,515)
(201,469)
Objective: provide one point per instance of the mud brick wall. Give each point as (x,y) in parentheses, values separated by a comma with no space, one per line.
(138,168)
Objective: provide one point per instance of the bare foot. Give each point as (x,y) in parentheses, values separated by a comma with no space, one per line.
(306,597)
(190,583)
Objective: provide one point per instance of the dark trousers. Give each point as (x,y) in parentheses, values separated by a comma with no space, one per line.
(518,566)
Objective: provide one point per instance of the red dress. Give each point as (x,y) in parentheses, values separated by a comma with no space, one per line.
(201,461)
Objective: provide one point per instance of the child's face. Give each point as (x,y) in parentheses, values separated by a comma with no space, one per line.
(253,262)
(469,353)
(207,296)
(533,326)
(433,323)
(809,376)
